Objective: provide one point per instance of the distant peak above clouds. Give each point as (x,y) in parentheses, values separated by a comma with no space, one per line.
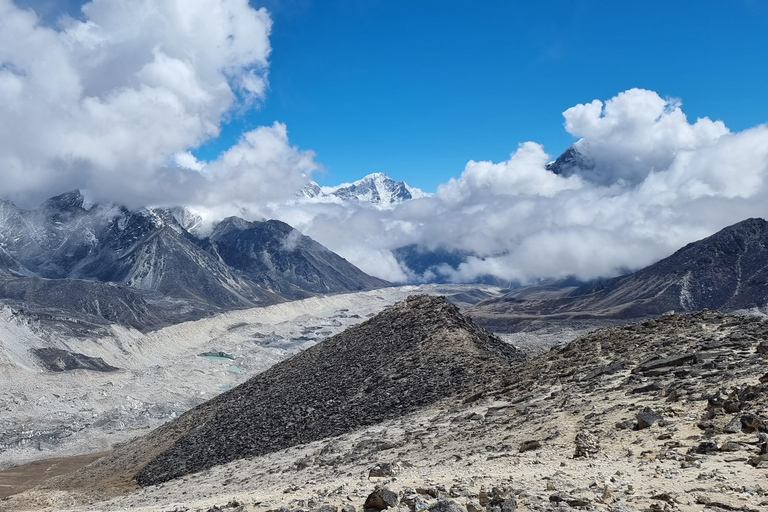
(570,162)
(376,190)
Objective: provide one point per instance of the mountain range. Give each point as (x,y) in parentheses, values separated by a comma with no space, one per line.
(414,395)
(146,268)
(727,271)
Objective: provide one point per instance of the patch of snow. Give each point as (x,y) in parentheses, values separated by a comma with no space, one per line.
(686,298)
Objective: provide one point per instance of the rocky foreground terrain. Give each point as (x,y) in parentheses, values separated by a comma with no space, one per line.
(667,414)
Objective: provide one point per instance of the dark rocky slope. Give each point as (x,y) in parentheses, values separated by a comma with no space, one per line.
(411,355)
(77,307)
(279,258)
(58,360)
(726,271)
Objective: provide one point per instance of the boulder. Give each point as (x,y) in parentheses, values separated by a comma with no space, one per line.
(446,506)
(384,469)
(570,500)
(529,445)
(646,418)
(733,426)
(380,499)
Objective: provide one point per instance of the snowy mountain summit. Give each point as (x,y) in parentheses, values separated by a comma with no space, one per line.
(376,190)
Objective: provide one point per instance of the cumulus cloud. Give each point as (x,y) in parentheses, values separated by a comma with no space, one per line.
(652,182)
(112,102)
(636,133)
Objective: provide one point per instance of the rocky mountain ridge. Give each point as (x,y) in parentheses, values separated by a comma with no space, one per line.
(570,162)
(151,257)
(726,271)
(277,257)
(411,355)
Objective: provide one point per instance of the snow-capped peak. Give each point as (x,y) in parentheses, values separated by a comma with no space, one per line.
(376,190)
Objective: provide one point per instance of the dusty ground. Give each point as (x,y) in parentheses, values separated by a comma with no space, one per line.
(26,476)
(631,468)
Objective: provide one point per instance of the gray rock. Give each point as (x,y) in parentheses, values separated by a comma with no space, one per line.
(384,469)
(730,446)
(502,500)
(573,501)
(474,506)
(704,448)
(646,418)
(733,426)
(529,445)
(751,421)
(499,493)
(446,506)
(731,406)
(508,505)
(666,362)
(413,501)
(621,507)
(380,499)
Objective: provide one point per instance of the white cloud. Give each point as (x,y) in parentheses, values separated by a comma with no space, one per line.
(113,102)
(659,182)
(635,133)
(523,173)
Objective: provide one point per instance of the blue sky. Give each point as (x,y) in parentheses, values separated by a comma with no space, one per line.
(417,88)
